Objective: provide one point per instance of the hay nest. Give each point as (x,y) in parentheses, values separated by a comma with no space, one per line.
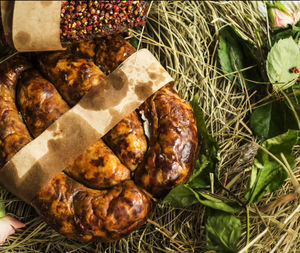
(183,35)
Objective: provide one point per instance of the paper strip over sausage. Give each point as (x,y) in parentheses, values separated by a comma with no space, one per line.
(36,26)
(119,94)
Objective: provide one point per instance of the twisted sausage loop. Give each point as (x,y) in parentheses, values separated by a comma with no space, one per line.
(96,198)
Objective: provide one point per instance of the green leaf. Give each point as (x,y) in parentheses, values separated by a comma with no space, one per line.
(286,32)
(208,157)
(216,203)
(223,231)
(180,196)
(283,56)
(273,118)
(235,53)
(134,42)
(184,196)
(267,174)
(2,210)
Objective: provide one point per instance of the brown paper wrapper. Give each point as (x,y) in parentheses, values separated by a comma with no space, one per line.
(35,26)
(100,110)
(32,25)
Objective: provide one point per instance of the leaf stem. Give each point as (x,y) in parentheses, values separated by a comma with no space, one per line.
(248,227)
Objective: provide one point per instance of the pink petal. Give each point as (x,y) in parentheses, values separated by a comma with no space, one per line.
(15,223)
(7,227)
(282,19)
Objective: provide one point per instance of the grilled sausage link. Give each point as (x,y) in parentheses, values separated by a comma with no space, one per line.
(108,52)
(111,51)
(173,142)
(71,208)
(72,76)
(92,215)
(128,141)
(41,105)
(13,132)
(127,138)
(173,139)
(98,167)
(39,101)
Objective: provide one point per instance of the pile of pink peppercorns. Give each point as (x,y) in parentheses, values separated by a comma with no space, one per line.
(83,20)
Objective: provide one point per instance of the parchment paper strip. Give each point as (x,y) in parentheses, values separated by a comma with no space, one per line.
(101,109)
(36,26)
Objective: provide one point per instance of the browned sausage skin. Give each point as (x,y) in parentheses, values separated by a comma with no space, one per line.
(84,48)
(98,167)
(71,208)
(39,101)
(111,51)
(92,215)
(13,132)
(173,134)
(173,142)
(128,141)
(72,76)
(74,210)
(11,71)
(110,214)
(41,105)
(108,52)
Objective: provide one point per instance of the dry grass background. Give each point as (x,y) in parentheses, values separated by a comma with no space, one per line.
(183,35)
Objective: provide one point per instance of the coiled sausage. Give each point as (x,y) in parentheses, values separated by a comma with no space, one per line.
(94,199)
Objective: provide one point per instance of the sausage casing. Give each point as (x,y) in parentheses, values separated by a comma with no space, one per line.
(68,202)
(11,71)
(72,76)
(39,101)
(111,51)
(41,105)
(108,52)
(92,215)
(128,141)
(98,167)
(73,209)
(172,142)
(13,132)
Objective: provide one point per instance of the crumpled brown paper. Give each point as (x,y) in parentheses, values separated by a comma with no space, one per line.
(100,110)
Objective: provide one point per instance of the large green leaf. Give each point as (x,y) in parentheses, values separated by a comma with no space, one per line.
(180,196)
(235,54)
(208,157)
(223,231)
(283,56)
(184,196)
(286,32)
(267,174)
(274,118)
